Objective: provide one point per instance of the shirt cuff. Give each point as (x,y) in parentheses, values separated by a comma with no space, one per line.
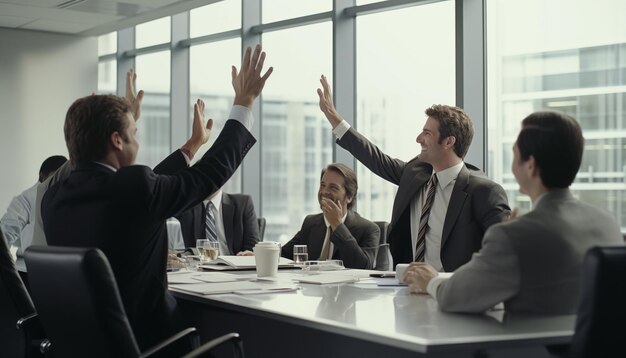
(186,156)
(243,115)
(434,284)
(341,129)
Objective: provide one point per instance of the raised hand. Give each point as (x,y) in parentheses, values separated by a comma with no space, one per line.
(326,103)
(200,132)
(134,99)
(248,83)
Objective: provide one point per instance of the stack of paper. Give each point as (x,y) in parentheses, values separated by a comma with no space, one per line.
(229,263)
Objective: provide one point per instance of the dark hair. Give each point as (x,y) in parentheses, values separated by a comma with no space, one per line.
(453,122)
(50,165)
(89,123)
(349,179)
(556,142)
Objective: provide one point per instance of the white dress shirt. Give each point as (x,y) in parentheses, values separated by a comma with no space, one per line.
(327,237)
(219,223)
(17,224)
(447,179)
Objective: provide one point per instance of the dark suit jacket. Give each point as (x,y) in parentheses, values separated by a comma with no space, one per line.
(476,202)
(240,223)
(355,241)
(123,213)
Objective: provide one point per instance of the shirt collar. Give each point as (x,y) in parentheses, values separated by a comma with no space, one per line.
(106,166)
(216,200)
(449,174)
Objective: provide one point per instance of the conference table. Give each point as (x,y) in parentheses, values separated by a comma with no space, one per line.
(363,319)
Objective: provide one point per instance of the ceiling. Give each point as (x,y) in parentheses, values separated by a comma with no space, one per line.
(87,17)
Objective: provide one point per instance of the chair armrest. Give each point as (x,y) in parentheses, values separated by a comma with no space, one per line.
(208,346)
(191,332)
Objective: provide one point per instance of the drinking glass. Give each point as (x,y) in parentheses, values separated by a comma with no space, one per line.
(300,254)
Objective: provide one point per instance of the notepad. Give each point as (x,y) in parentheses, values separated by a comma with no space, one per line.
(227,263)
(239,287)
(326,279)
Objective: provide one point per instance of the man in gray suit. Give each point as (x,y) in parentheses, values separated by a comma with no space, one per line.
(532,263)
(442,226)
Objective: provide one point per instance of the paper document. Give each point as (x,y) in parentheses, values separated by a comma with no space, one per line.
(224,263)
(240,287)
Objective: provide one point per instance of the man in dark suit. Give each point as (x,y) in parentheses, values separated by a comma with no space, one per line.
(121,208)
(236,223)
(443,206)
(338,232)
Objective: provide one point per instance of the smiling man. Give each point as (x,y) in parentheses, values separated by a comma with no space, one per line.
(338,232)
(533,263)
(443,206)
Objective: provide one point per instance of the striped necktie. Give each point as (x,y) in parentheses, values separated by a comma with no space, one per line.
(420,247)
(209,222)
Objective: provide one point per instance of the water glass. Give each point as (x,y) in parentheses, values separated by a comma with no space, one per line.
(300,254)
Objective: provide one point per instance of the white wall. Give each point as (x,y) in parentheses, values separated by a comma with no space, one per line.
(41,74)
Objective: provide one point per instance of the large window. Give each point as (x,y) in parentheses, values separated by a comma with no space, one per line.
(566,56)
(400,72)
(295,136)
(153,128)
(276,10)
(210,80)
(221,16)
(107,69)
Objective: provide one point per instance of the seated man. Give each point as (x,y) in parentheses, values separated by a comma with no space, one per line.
(231,221)
(337,233)
(532,263)
(19,219)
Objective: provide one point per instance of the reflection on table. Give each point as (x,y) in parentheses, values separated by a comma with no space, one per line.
(387,317)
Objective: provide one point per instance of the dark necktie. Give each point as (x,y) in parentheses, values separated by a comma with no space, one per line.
(420,247)
(209,223)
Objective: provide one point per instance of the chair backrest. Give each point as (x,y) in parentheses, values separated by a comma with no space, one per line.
(383,262)
(601,309)
(15,303)
(78,302)
(261,228)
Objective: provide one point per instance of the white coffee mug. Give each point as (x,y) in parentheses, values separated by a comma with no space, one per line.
(400,270)
(266,256)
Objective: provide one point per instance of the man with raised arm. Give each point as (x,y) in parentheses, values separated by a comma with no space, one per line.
(533,263)
(121,208)
(443,205)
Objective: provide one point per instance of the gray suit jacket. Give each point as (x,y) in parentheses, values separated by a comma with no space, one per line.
(476,202)
(239,218)
(355,241)
(533,263)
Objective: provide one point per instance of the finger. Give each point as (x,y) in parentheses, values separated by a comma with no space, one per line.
(233,72)
(320,94)
(140,96)
(259,66)
(255,57)
(266,75)
(209,124)
(246,60)
(325,84)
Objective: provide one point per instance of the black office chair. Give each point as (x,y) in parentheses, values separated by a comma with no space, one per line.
(79,304)
(601,311)
(261,228)
(20,329)
(383,262)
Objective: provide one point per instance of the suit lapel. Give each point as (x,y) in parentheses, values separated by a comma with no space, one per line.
(228,213)
(419,174)
(457,200)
